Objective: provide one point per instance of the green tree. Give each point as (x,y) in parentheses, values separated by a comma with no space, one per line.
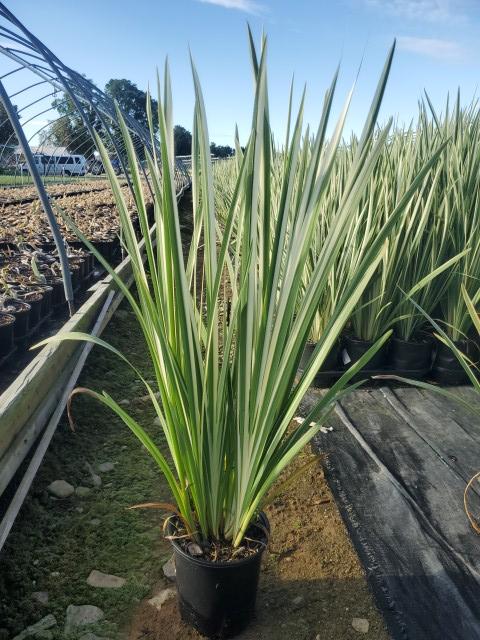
(131,100)
(221,151)
(183,141)
(69,129)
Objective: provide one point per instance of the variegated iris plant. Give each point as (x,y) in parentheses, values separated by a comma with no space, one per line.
(226,386)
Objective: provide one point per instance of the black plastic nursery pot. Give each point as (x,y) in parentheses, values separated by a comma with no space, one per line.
(35,299)
(7,322)
(356,348)
(413,355)
(107,248)
(47,300)
(76,277)
(81,264)
(447,368)
(217,598)
(58,294)
(21,310)
(331,362)
(90,266)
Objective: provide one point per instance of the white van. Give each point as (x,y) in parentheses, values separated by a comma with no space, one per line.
(58,165)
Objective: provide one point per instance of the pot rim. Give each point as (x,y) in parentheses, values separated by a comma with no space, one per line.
(24,306)
(218,565)
(36,286)
(310,344)
(424,338)
(350,337)
(30,295)
(9,316)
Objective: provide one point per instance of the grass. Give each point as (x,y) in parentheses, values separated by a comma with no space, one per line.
(52,536)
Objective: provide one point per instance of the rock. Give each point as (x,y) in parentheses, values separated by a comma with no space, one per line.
(81,616)
(297,600)
(124,402)
(147,396)
(159,600)
(55,574)
(95,522)
(105,467)
(60,489)
(169,570)
(82,492)
(33,630)
(40,596)
(105,580)
(194,549)
(96,479)
(361,625)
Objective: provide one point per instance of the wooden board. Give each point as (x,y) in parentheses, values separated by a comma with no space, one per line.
(398,463)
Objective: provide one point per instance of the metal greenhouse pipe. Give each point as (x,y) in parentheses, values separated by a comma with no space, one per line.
(42,193)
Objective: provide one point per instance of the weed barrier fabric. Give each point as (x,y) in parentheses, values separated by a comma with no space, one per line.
(397,463)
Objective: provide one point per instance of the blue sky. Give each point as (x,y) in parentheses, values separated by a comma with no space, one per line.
(438,50)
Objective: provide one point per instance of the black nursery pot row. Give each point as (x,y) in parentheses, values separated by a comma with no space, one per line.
(31,305)
(418,359)
(29,309)
(22,314)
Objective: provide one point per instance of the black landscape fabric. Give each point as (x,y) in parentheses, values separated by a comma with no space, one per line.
(397,462)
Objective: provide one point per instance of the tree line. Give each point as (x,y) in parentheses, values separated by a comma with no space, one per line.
(69,130)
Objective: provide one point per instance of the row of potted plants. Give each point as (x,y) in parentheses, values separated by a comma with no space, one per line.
(93,211)
(424,356)
(430,253)
(31,285)
(31,290)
